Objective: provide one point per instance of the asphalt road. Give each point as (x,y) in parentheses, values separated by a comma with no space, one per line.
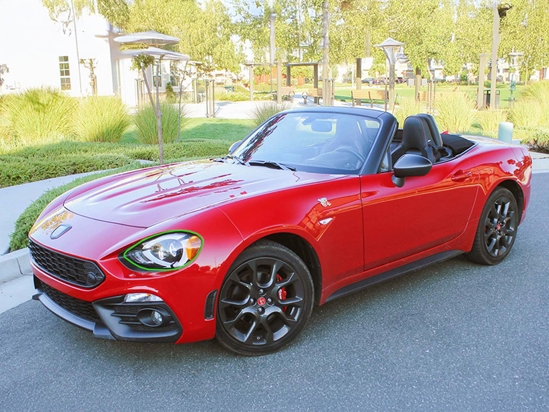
(453,337)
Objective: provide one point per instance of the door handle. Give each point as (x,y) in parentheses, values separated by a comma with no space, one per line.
(461,176)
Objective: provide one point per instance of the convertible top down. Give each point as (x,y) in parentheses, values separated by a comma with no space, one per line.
(312,205)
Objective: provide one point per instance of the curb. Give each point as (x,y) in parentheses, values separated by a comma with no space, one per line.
(14,265)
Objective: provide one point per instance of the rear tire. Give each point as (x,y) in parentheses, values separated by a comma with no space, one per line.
(265,300)
(497,228)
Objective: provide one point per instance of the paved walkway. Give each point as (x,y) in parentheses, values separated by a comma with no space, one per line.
(15,276)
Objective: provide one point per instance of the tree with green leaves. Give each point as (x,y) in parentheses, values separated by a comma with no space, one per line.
(524,29)
(204,29)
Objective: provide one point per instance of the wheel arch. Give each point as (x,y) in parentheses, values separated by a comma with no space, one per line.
(517,192)
(306,253)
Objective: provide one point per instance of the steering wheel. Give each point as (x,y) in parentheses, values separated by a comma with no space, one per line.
(352,151)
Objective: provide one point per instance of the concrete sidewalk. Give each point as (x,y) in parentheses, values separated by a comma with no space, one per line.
(15,274)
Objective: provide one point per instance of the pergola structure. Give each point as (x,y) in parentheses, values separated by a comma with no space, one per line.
(289,66)
(289,72)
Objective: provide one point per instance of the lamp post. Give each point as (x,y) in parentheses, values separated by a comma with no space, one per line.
(326,84)
(499,11)
(153,38)
(391,48)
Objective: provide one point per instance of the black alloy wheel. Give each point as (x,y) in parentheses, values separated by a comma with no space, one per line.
(497,229)
(265,300)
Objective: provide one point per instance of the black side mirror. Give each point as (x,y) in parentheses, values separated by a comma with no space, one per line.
(410,165)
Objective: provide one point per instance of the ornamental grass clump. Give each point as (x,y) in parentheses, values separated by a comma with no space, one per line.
(532,108)
(40,115)
(525,112)
(455,112)
(407,107)
(101,119)
(262,112)
(489,121)
(145,120)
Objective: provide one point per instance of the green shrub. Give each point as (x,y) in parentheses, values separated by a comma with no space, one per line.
(455,112)
(101,119)
(262,112)
(198,149)
(11,172)
(39,115)
(145,120)
(538,140)
(170,94)
(407,106)
(233,97)
(35,163)
(489,121)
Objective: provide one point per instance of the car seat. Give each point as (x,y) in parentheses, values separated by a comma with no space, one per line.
(416,138)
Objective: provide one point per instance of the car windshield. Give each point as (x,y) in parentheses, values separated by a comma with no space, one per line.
(311,141)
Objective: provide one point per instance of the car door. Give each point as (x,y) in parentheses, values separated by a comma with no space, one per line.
(426,212)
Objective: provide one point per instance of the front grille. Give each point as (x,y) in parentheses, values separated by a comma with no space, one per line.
(77,307)
(75,271)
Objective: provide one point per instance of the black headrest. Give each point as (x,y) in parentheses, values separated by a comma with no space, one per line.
(415,133)
(433,128)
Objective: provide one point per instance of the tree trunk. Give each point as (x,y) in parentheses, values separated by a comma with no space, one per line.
(417,83)
(158,114)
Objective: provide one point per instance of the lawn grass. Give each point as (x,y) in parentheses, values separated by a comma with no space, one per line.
(230,130)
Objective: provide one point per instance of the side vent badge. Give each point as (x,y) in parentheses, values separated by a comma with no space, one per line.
(324,202)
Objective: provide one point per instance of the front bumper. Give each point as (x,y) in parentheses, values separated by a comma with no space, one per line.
(111,318)
(81,279)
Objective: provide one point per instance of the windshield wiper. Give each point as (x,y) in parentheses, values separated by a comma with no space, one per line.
(231,157)
(270,163)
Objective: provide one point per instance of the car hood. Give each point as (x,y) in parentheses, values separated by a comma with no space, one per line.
(150,196)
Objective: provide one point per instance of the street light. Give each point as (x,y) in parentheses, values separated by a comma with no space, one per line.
(499,12)
(391,48)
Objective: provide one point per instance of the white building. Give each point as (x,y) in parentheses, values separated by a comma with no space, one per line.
(41,52)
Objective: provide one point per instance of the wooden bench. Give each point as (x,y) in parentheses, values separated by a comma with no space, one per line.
(358,95)
(369,94)
(316,93)
(287,92)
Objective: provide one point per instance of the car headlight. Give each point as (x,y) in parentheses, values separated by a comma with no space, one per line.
(167,251)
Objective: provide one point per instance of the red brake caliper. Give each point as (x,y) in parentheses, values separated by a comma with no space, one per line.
(282,291)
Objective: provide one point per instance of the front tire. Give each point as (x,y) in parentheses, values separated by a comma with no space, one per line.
(497,228)
(265,300)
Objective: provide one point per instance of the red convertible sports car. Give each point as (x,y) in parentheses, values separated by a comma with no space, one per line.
(316,203)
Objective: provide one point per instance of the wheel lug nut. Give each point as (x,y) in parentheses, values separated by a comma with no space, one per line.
(260,310)
(252,301)
(261,291)
(269,301)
